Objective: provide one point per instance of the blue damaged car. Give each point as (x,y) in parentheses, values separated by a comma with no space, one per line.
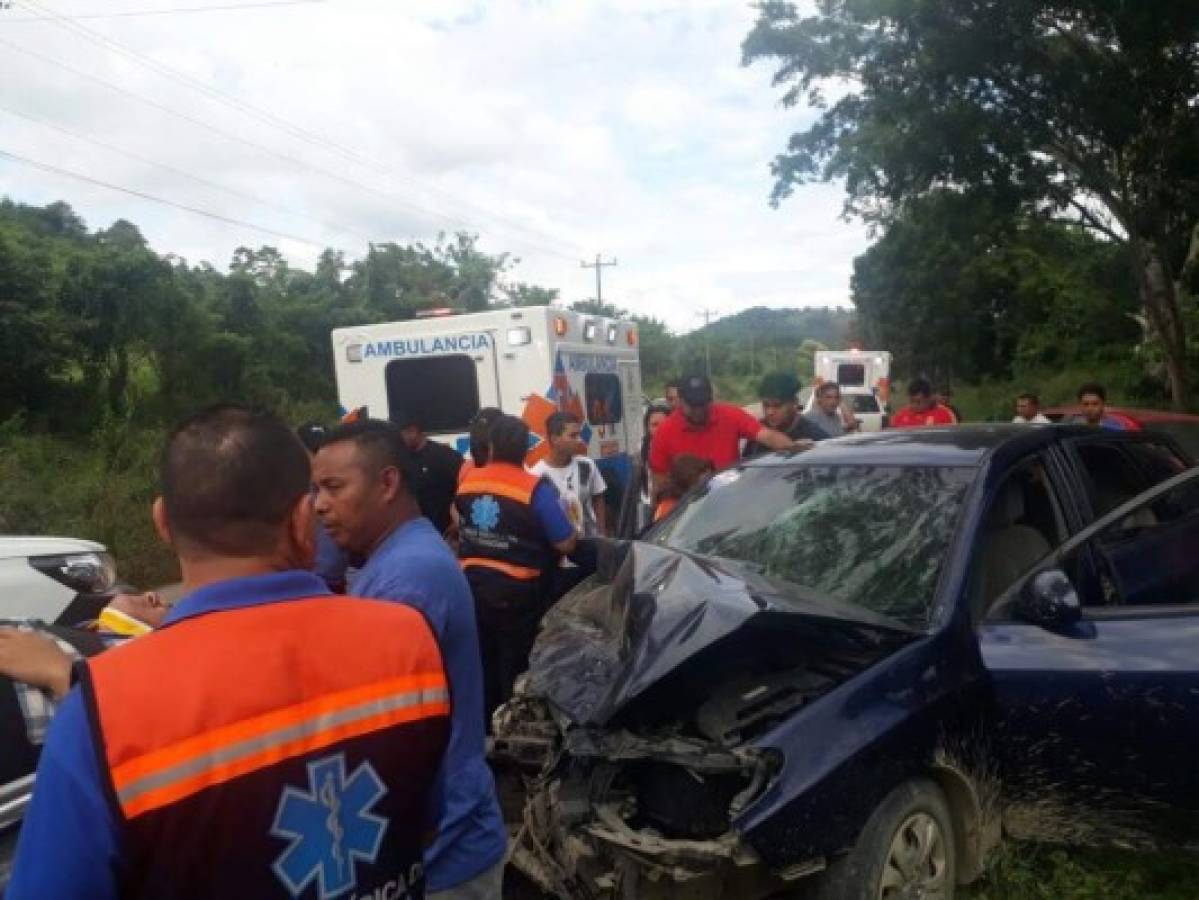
(846,673)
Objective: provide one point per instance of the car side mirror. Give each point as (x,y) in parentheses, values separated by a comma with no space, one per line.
(1049,599)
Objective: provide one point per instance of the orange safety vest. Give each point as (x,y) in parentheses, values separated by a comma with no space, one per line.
(264,750)
(499,529)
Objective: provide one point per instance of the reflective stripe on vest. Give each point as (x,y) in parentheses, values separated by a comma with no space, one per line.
(511,539)
(267,684)
(522,573)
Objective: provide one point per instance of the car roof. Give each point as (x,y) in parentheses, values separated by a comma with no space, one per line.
(1139,415)
(958,445)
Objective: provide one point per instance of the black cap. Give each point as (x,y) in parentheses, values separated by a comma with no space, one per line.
(782,386)
(696,390)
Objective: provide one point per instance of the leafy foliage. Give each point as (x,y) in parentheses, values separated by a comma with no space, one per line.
(1087,109)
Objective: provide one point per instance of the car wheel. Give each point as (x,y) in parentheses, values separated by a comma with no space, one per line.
(905,852)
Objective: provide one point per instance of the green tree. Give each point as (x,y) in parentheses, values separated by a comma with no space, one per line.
(959,287)
(1086,109)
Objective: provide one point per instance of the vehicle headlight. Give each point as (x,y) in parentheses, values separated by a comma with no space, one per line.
(85,573)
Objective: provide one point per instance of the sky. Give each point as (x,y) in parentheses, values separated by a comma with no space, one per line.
(554,130)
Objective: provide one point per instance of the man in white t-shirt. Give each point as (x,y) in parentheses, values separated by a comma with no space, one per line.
(578,479)
(1028,411)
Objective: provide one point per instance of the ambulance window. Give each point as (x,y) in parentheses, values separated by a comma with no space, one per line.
(450,407)
(604,400)
(851,375)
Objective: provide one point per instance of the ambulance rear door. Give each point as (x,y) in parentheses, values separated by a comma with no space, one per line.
(440,375)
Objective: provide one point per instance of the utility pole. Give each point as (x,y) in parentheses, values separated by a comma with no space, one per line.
(598,265)
(706,314)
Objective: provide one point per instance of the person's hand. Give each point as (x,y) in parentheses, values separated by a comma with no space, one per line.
(147,608)
(29,657)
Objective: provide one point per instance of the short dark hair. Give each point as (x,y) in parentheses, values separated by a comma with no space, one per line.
(381,445)
(686,471)
(779,386)
(556,423)
(480,434)
(1093,387)
(655,409)
(920,386)
(1029,396)
(826,386)
(230,477)
(312,435)
(674,383)
(509,440)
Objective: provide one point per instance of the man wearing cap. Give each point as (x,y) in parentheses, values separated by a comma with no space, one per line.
(270,738)
(711,431)
(779,393)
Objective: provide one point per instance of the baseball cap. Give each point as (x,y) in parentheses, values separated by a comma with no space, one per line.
(779,386)
(696,390)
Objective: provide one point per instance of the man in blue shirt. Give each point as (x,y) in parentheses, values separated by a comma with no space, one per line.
(362,474)
(238,750)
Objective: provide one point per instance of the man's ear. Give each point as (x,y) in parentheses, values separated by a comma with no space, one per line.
(158,512)
(392,482)
(301,534)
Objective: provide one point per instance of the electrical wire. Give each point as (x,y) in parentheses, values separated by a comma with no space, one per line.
(228,135)
(182,173)
(179,10)
(133,192)
(290,128)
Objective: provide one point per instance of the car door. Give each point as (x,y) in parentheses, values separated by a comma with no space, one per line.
(1095,723)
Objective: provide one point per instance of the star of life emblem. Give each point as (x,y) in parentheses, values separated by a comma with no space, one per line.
(329,828)
(485,513)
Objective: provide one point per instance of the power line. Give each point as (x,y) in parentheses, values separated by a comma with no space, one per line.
(208,214)
(228,135)
(178,10)
(233,192)
(265,116)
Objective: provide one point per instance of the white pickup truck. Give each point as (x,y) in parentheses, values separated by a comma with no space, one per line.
(61,581)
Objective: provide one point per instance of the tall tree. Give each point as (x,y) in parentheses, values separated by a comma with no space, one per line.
(1087,109)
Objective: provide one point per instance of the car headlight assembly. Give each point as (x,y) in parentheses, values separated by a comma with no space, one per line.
(85,573)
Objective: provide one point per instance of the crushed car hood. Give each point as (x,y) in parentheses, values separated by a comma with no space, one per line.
(654,617)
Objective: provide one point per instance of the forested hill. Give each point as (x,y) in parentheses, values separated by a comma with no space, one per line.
(829,326)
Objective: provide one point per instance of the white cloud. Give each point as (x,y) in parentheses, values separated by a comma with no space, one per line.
(556,130)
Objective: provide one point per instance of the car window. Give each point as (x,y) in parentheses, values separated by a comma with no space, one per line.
(1112,476)
(872,536)
(1022,524)
(863,403)
(448,409)
(1149,558)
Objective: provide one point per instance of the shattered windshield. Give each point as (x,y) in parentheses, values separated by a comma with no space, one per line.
(871,536)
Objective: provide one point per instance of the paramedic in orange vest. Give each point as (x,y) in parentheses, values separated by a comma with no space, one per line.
(512,534)
(270,740)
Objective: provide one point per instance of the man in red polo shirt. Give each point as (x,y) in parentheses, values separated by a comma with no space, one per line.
(711,431)
(922,409)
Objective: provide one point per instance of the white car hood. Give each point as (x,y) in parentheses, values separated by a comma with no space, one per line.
(22,546)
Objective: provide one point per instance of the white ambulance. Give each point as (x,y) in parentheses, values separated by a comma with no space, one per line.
(443,368)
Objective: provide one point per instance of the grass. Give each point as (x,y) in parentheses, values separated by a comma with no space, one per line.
(99,488)
(1039,872)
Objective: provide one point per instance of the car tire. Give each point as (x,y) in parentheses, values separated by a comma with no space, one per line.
(906,845)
